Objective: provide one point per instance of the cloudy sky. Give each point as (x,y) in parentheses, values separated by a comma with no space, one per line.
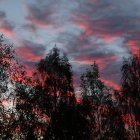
(104,31)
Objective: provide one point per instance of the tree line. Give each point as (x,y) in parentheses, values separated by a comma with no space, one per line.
(44,106)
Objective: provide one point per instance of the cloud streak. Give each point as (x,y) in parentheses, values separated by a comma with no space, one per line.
(30,51)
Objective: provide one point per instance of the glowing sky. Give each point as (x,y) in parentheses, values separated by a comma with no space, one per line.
(104,31)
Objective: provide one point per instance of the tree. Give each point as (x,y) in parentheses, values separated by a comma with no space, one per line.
(92,88)
(54,79)
(54,86)
(105,119)
(56,98)
(27,119)
(68,123)
(131,93)
(12,82)
(6,59)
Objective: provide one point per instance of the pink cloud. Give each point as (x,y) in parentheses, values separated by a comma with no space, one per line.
(37,17)
(87,60)
(134,46)
(38,22)
(100,27)
(111,83)
(84,24)
(27,54)
(8,32)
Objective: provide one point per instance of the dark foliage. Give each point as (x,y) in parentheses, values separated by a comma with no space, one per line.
(104,117)
(6,58)
(131,94)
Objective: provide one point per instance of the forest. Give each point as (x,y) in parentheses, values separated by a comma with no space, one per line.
(44,106)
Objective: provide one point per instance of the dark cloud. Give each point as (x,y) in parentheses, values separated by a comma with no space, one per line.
(31,51)
(7,25)
(89,46)
(39,14)
(30,27)
(36,48)
(2,15)
(7,28)
(112,71)
(50,13)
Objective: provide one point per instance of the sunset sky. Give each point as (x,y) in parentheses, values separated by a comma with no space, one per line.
(104,31)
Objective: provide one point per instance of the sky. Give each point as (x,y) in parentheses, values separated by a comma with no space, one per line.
(104,31)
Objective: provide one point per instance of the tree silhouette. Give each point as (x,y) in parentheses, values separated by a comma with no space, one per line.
(26,120)
(54,78)
(92,89)
(57,100)
(68,123)
(6,58)
(99,107)
(54,87)
(131,93)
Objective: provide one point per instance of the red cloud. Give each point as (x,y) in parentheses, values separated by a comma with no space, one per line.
(29,70)
(27,54)
(84,24)
(111,83)
(37,17)
(7,32)
(134,46)
(7,28)
(99,27)
(38,22)
(87,60)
